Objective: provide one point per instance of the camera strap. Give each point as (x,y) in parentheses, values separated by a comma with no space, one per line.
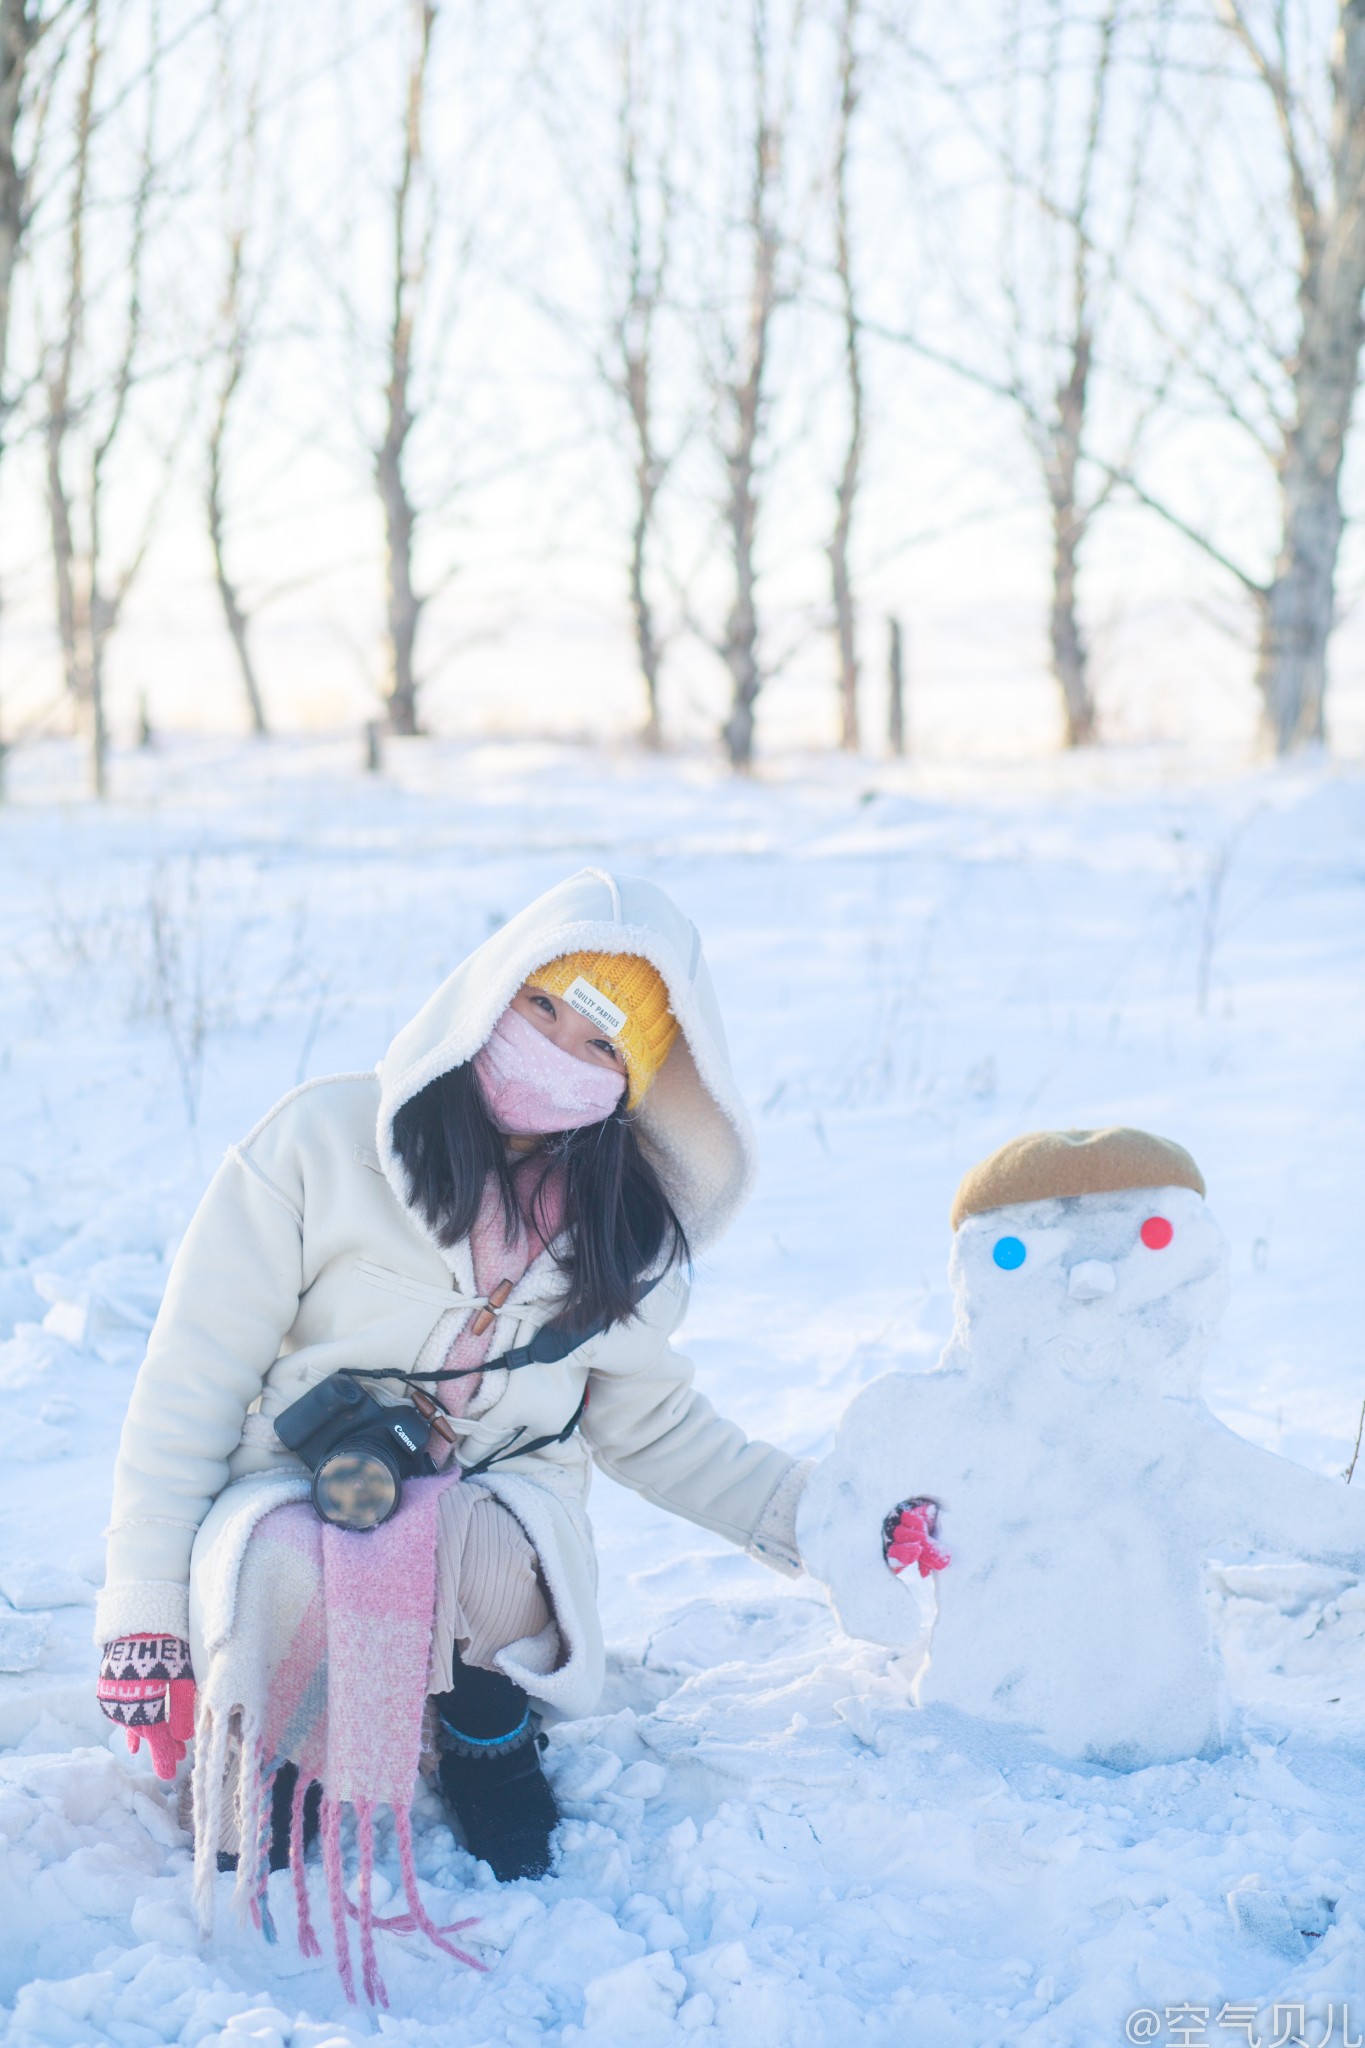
(548,1347)
(512,1449)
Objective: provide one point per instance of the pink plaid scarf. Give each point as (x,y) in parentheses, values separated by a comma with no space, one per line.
(328,1664)
(344,1704)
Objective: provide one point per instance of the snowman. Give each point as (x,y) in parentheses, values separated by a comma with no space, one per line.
(1060,1463)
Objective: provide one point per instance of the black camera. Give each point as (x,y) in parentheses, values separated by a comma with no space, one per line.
(358,1450)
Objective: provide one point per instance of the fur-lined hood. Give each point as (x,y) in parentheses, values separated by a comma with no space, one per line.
(692,1122)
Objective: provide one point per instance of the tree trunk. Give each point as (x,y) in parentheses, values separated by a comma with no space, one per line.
(895,690)
(89,598)
(100,626)
(403,607)
(738,729)
(845,628)
(73,610)
(237,628)
(237,340)
(642,613)
(1070,657)
(647,472)
(18,28)
(84,618)
(1297,609)
(17,31)
(227,589)
(1297,613)
(845,617)
(63,545)
(745,396)
(739,649)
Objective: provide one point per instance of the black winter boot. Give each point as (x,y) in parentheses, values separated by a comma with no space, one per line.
(282,1815)
(281,1819)
(490,1773)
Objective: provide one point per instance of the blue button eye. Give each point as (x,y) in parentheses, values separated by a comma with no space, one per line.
(1009,1253)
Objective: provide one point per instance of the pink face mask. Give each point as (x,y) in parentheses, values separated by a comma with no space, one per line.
(531,1086)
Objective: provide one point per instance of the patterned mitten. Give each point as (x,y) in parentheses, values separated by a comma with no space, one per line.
(147,1687)
(908,1537)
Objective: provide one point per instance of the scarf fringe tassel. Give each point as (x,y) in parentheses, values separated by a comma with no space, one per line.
(257,1784)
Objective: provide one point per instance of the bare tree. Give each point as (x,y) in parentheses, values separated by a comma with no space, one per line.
(1297,607)
(846,491)
(1070,143)
(742,399)
(647,199)
(18,34)
(1291,385)
(403,260)
(411,224)
(83,426)
(621,171)
(234,368)
(238,320)
(25,92)
(1052,342)
(741,367)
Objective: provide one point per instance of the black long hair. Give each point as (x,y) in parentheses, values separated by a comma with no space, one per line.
(620,1223)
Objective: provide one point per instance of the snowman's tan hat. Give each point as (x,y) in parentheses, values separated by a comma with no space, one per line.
(1044,1165)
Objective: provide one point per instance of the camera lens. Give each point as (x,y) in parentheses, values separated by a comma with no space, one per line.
(357,1486)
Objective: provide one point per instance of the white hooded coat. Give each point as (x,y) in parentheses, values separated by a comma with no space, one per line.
(304,1256)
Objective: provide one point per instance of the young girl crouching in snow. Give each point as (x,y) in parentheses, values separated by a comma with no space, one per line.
(501,1219)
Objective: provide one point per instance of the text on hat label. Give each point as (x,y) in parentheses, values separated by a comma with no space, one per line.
(590,1002)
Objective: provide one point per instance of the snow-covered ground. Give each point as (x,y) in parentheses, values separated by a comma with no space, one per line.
(767,1843)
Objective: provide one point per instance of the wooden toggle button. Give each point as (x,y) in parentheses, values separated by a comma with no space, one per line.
(484,1319)
(433,1413)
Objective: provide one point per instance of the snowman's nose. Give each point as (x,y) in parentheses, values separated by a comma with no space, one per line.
(1092,1278)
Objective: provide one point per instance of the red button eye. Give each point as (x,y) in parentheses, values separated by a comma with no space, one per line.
(1156,1233)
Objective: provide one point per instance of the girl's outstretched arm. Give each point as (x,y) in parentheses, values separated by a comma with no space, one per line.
(647,1425)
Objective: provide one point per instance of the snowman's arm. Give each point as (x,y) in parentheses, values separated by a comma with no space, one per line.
(846,1504)
(1264,1502)
(649,1427)
(870,1474)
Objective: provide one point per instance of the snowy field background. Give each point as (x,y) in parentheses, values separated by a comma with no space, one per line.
(768,1846)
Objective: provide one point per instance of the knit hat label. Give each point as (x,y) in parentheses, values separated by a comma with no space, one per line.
(590,1002)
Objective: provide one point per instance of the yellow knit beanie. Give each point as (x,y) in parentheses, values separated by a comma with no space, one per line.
(636,1014)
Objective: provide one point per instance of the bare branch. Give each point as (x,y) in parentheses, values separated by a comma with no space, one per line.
(846,490)
(1273,74)
(91,593)
(1191,533)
